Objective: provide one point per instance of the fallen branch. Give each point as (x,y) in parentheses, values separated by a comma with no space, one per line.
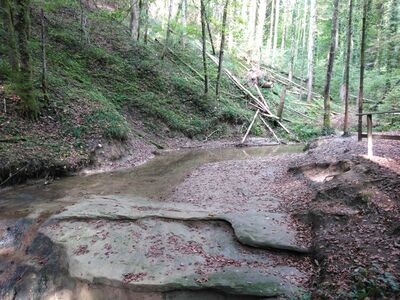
(270,129)
(251,125)
(261,96)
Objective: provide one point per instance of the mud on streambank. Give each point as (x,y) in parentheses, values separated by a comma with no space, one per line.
(104,157)
(354,216)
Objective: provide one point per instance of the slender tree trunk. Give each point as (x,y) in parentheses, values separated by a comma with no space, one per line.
(134,22)
(183,21)
(29,103)
(84,31)
(362,68)
(44,62)
(281,103)
(347,71)
(146,21)
(168,34)
(254,10)
(311,48)
(10,37)
(260,28)
(285,7)
(327,98)
(232,25)
(392,59)
(140,19)
(304,39)
(276,27)
(210,34)
(290,72)
(203,35)
(271,30)
(299,28)
(222,47)
(379,38)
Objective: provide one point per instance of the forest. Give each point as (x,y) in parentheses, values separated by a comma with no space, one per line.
(199,149)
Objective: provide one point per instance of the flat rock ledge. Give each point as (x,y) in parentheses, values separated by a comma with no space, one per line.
(267,230)
(151,246)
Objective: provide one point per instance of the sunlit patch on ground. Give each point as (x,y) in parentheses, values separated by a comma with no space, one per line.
(391,164)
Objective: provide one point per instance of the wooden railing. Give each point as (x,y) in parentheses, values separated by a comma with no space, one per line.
(369,135)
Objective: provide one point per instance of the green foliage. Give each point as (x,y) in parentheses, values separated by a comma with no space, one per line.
(306,132)
(113,124)
(327,131)
(96,83)
(5,69)
(371,284)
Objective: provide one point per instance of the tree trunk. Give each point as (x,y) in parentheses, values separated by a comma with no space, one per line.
(285,7)
(276,27)
(43,53)
(253,28)
(203,35)
(281,103)
(271,30)
(146,21)
(10,37)
(392,59)
(347,71)
(134,22)
(260,28)
(210,34)
(327,100)
(140,19)
(84,31)
(222,47)
(232,25)
(29,104)
(379,38)
(183,21)
(291,66)
(362,67)
(311,47)
(168,34)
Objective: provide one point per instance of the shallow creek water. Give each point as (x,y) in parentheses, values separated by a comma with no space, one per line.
(153,179)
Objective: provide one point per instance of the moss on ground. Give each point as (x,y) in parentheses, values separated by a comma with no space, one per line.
(92,87)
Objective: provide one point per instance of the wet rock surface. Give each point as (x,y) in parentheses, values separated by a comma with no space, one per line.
(252,227)
(156,246)
(165,255)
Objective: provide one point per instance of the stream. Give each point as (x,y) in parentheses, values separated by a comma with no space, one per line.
(153,180)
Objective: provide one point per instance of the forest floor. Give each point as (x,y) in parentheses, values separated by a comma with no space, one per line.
(324,221)
(347,205)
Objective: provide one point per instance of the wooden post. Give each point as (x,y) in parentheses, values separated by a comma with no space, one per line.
(359,127)
(369,125)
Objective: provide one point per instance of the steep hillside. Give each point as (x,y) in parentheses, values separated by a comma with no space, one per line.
(113,91)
